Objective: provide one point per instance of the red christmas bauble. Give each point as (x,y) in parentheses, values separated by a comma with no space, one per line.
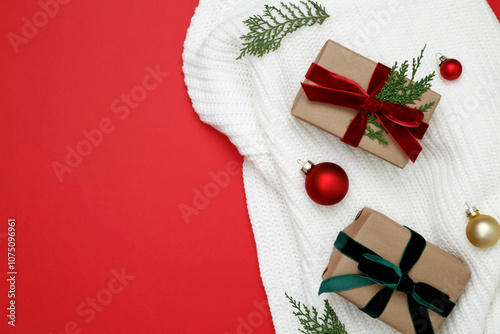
(326,183)
(450,69)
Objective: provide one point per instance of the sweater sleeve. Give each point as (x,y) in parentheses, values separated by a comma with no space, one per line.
(220,86)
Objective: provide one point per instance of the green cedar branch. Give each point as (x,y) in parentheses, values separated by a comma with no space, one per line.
(378,135)
(312,323)
(400,90)
(268,30)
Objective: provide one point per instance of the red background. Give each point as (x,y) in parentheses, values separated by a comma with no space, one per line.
(120,207)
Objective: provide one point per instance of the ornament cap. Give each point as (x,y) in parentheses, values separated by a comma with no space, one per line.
(440,58)
(471,211)
(306,166)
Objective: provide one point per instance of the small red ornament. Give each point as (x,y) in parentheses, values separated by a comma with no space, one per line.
(450,69)
(326,182)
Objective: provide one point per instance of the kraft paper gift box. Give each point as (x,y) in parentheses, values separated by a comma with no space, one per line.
(389,240)
(335,119)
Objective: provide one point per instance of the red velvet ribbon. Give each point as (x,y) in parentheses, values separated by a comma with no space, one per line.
(404,124)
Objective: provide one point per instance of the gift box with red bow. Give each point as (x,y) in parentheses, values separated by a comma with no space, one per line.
(339,96)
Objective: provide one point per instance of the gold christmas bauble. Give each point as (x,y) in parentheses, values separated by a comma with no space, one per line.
(482,230)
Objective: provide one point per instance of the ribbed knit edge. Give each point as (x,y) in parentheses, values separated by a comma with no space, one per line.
(212,91)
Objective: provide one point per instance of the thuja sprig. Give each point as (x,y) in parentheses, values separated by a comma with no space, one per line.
(373,120)
(328,323)
(268,30)
(379,134)
(400,90)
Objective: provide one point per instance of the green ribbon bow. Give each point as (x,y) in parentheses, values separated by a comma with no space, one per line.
(377,270)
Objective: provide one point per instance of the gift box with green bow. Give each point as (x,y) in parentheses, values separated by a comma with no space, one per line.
(392,273)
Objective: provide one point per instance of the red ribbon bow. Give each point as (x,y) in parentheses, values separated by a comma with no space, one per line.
(404,124)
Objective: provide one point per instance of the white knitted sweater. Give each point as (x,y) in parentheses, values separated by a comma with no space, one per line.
(250,100)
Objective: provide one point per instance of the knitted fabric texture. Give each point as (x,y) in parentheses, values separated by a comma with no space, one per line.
(250,101)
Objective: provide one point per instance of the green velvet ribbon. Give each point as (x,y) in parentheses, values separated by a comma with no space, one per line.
(421,296)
